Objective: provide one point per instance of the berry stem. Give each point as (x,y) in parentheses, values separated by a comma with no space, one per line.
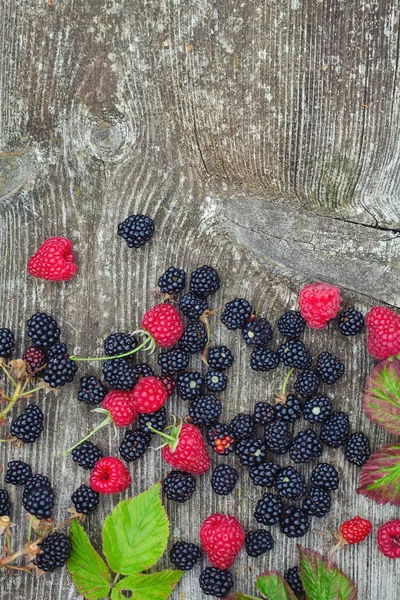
(8,374)
(8,539)
(339,545)
(30,529)
(147,345)
(40,387)
(100,426)
(13,400)
(286,381)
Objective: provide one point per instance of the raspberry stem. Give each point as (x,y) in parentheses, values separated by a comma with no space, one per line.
(100,426)
(148,345)
(173,439)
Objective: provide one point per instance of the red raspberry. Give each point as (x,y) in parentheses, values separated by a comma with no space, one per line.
(164,323)
(187,452)
(383,326)
(355,530)
(149,395)
(109,476)
(388,539)
(121,407)
(222,537)
(35,359)
(54,260)
(319,303)
(168,383)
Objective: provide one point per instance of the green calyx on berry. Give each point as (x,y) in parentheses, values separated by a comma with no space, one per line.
(172,438)
(147,345)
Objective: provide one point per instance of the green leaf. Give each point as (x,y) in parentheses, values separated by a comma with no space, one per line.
(117,595)
(239,596)
(381,398)
(88,570)
(380,476)
(321,584)
(157,586)
(272,585)
(136,533)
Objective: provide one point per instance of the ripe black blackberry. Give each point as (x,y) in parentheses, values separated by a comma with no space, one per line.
(257,332)
(134,445)
(5,504)
(205,410)
(250,452)
(173,361)
(143,370)
(329,368)
(317,503)
(29,425)
(35,482)
(268,509)
(305,447)
(7,342)
(204,281)
(317,409)
(56,549)
(277,437)
(351,321)
(265,474)
(242,426)
(172,281)
(35,360)
(184,555)
(358,449)
(60,368)
(91,390)
(335,430)
(307,383)
(86,455)
(194,338)
(294,522)
(215,582)
(85,500)
(288,408)
(258,542)
(290,484)
(236,313)
(291,324)
(157,420)
(294,353)
(18,472)
(38,501)
(136,230)
(224,479)
(43,330)
(325,476)
(119,343)
(179,486)
(119,374)
(221,439)
(292,576)
(264,359)
(216,381)
(192,306)
(220,358)
(264,413)
(188,385)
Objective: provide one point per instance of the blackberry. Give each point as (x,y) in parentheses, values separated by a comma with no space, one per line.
(204,281)
(220,358)
(351,322)
(307,383)
(157,419)
(335,430)
(85,500)
(292,576)
(60,368)
(134,445)
(288,408)
(265,474)
(173,361)
(188,385)
(242,426)
(18,472)
(264,359)
(305,447)
(119,343)
(215,582)
(224,479)
(358,449)
(268,509)
(294,353)
(258,542)
(119,374)
(277,437)
(38,501)
(91,390)
(86,455)
(325,476)
(294,522)
(179,486)
(194,338)
(329,368)
(5,504)
(35,482)
(264,413)
(35,360)
(216,381)
(143,370)
(317,409)
(317,503)
(290,484)
(172,281)
(257,332)
(29,425)
(205,410)
(192,306)
(136,230)
(251,452)
(56,549)
(168,383)
(236,313)
(43,330)
(7,342)
(291,324)
(220,437)
(185,555)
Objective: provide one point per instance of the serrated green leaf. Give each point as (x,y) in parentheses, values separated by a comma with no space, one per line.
(273,586)
(321,584)
(156,586)
(117,595)
(136,533)
(380,476)
(88,570)
(381,398)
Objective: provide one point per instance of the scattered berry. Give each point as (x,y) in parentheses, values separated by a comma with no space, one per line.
(85,500)
(120,407)
(204,281)
(317,409)
(18,472)
(288,408)
(305,447)
(222,537)
(388,538)
(185,555)
(258,542)
(317,503)
(329,368)
(242,426)
(236,313)
(294,522)
(179,486)
(91,390)
(35,482)
(194,338)
(164,323)
(358,449)
(157,420)
(86,455)
(264,359)
(220,358)
(294,353)
(110,476)
(54,260)
(265,474)
(7,342)
(355,530)
(119,374)
(325,476)
(351,322)
(43,330)
(216,381)
(289,483)
(268,509)
(205,410)
(383,326)
(220,438)
(192,306)
(291,324)
(38,500)
(188,452)
(136,230)
(55,551)
(292,576)
(307,383)
(134,445)
(188,385)
(278,437)
(250,452)
(168,383)
(173,361)
(5,504)
(35,360)
(215,582)
(319,303)
(143,370)
(119,343)
(149,395)
(257,332)
(224,479)
(335,430)
(29,425)
(172,281)
(264,413)
(60,368)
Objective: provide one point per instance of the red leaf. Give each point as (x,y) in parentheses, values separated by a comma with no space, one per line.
(381,398)
(380,476)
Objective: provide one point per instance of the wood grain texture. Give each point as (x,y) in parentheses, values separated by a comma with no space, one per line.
(217,119)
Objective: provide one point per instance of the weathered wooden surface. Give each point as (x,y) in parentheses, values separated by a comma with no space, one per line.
(263,138)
